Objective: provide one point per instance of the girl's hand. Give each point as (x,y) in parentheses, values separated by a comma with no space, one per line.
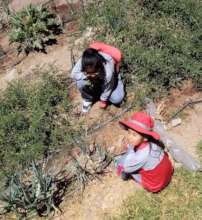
(119,170)
(103,104)
(125,147)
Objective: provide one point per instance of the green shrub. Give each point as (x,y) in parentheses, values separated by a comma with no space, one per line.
(33,28)
(31,120)
(161,40)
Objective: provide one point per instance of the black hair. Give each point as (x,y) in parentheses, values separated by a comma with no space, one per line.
(94,61)
(153,140)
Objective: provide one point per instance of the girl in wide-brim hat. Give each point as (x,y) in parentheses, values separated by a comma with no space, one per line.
(145,160)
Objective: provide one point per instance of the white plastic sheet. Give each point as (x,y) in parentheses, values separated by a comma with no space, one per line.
(178,154)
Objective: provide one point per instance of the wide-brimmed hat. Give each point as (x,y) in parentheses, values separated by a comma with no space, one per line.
(142,123)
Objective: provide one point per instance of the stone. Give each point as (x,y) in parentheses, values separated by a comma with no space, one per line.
(66,8)
(86,36)
(11,75)
(18,5)
(63,9)
(175,122)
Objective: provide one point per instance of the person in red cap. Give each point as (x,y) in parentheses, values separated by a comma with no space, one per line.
(145,159)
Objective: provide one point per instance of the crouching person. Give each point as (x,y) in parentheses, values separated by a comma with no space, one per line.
(97,78)
(145,160)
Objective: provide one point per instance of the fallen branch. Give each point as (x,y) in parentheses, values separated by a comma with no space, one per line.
(103,124)
(19,61)
(186,104)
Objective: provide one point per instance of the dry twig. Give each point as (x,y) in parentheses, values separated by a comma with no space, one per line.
(103,124)
(186,104)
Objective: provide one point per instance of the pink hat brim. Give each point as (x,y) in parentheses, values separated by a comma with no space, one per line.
(140,129)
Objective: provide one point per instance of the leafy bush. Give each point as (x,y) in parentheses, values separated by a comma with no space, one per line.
(161,40)
(33,28)
(32,120)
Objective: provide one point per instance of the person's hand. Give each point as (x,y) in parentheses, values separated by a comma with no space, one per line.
(119,169)
(103,104)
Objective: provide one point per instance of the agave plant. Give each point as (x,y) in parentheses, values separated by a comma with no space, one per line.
(30,192)
(33,28)
(88,165)
(34,191)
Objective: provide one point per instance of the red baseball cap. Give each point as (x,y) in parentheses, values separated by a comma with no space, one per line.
(142,123)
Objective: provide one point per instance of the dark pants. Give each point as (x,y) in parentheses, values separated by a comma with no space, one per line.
(93,92)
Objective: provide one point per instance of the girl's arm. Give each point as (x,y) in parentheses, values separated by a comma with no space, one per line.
(109,81)
(76,71)
(135,160)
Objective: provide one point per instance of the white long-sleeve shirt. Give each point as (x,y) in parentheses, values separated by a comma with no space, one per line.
(109,81)
(147,157)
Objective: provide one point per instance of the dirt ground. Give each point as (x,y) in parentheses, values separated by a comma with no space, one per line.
(102,198)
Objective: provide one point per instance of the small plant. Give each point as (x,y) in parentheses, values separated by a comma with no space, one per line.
(33,28)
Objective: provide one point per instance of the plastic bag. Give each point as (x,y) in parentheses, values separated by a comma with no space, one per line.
(178,154)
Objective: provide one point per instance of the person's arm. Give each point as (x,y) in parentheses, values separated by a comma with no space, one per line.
(135,160)
(76,73)
(109,81)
